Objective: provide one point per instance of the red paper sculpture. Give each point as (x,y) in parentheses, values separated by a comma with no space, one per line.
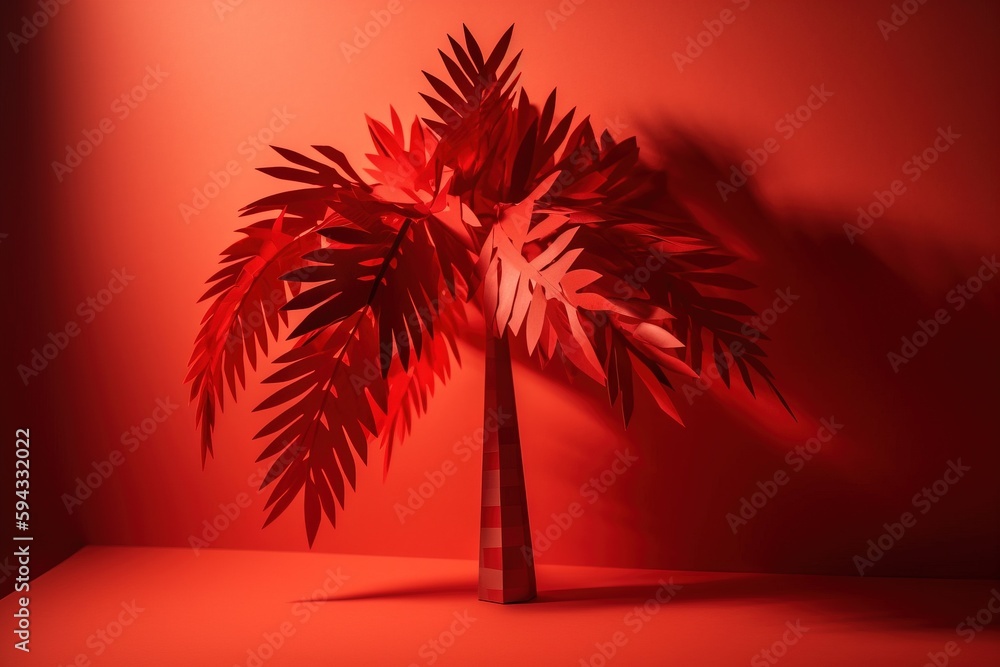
(564,241)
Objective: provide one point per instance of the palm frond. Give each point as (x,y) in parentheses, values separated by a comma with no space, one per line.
(499,204)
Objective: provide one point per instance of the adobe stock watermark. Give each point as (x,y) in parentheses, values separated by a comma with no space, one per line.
(635,620)
(104,637)
(580,160)
(967,630)
(373,370)
(627,286)
(212,528)
(59,340)
(914,168)
(561,12)
(31,25)
(591,491)
(435,647)
(752,332)
(302,612)
(131,440)
(464,449)
(793,634)
(796,460)
(368,32)
(121,108)
(714,28)
(922,501)
(456,115)
(245,327)
(219,180)
(898,17)
(957,297)
(786,127)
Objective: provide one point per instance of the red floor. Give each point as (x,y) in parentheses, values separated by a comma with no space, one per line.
(150,607)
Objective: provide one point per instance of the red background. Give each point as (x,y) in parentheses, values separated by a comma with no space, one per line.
(121,208)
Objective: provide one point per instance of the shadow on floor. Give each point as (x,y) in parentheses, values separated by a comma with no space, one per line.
(884,602)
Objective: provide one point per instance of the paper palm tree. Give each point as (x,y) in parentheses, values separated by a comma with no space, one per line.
(563,241)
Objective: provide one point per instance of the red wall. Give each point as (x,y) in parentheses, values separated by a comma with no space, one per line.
(121,208)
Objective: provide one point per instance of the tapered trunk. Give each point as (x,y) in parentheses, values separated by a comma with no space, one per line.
(506,564)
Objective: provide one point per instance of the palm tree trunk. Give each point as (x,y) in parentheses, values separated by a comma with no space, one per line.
(506,564)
